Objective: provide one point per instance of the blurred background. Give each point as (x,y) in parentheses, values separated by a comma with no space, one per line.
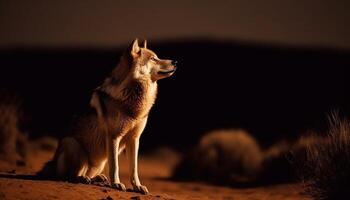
(273,68)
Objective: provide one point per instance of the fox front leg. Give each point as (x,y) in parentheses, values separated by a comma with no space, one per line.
(132,152)
(113,148)
(132,148)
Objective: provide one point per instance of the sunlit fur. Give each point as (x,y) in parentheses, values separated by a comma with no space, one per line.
(115,121)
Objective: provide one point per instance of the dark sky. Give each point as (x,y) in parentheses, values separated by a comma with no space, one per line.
(111,23)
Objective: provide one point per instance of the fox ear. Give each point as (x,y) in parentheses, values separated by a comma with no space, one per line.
(144,44)
(134,48)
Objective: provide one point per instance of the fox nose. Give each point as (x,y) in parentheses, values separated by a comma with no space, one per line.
(174,62)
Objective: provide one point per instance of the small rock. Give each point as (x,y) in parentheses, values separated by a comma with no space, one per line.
(104,190)
(109,198)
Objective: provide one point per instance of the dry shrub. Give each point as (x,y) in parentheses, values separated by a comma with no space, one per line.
(281,160)
(13,143)
(276,166)
(233,157)
(222,157)
(326,169)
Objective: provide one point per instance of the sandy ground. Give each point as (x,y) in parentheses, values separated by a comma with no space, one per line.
(16,183)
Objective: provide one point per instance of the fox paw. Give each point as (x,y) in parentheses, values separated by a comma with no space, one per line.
(119,186)
(82,179)
(100,179)
(141,189)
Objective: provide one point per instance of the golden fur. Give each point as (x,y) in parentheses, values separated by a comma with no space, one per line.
(118,115)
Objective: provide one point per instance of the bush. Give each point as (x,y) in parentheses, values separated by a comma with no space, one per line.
(325,172)
(13,143)
(223,157)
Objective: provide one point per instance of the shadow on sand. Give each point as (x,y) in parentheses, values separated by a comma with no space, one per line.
(13,175)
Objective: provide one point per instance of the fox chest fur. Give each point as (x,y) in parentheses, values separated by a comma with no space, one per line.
(131,105)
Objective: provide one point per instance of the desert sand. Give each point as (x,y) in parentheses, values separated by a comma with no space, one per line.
(16,182)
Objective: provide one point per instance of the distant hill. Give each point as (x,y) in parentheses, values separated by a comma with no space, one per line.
(272,91)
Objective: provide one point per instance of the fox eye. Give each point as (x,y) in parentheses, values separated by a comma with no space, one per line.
(153,58)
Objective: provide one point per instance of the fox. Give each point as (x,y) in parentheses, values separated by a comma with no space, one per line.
(118,113)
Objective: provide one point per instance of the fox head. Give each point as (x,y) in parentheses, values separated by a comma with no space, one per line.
(143,63)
